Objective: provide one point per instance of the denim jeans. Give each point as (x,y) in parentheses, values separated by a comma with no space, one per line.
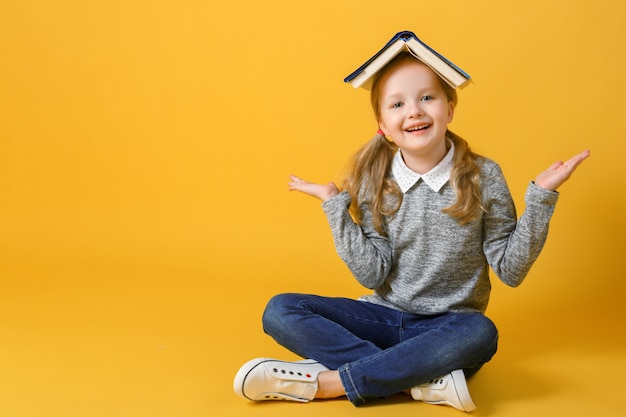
(379,351)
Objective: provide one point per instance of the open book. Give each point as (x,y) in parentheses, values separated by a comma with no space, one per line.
(449,72)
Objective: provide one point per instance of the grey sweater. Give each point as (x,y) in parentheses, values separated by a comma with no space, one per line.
(429,263)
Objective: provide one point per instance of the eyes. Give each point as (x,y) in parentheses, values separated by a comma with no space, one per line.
(398,104)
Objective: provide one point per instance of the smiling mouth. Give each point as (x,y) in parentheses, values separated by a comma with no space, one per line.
(418,128)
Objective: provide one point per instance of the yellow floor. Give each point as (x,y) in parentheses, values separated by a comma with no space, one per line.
(106,339)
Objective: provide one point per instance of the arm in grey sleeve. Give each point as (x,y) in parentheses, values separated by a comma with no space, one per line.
(512,246)
(367,254)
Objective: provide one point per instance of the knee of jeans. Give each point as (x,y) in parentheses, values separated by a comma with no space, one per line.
(488,334)
(483,333)
(484,344)
(276,311)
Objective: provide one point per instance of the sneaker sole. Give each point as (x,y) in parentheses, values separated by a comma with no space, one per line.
(458,377)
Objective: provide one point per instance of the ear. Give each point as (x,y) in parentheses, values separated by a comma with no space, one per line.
(450,111)
(381,126)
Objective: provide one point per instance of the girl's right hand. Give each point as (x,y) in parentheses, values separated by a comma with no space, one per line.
(321,191)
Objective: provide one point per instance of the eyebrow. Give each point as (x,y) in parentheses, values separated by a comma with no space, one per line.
(393,97)
(421,91)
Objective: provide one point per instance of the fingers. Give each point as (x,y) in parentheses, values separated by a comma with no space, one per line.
(559,172)
(320,191)
(571,164)
(578,159)
(555,165)
(296,183)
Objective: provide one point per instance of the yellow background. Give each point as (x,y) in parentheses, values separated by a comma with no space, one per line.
(145,220)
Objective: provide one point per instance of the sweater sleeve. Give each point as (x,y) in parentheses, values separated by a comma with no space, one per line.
(367,254)
(510,245)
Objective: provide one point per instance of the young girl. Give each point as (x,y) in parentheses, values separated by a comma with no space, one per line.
(420,220)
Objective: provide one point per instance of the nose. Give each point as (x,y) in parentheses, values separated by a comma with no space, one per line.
(414,109)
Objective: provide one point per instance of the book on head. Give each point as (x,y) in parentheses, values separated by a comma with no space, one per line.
(449,72)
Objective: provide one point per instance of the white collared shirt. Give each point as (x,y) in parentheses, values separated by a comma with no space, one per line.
(435,178)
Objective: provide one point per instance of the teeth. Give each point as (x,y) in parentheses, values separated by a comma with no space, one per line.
(413,129)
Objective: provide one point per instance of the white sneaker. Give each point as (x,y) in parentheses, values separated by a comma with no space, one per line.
(270,379)
(450,389)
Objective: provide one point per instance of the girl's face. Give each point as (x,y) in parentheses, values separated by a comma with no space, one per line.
(415,112)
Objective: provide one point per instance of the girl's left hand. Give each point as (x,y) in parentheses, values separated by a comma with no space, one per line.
(560,171)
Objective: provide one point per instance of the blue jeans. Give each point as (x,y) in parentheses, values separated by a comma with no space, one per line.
(379,351)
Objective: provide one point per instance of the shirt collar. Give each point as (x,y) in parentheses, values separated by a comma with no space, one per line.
(435,178)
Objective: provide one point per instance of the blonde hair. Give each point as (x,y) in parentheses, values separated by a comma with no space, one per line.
(369,172)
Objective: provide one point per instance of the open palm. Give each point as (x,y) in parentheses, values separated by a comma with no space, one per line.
(559,172)
(321,191)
